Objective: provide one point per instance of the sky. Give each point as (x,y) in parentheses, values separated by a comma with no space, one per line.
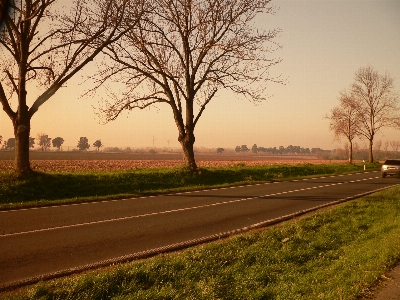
(324,42)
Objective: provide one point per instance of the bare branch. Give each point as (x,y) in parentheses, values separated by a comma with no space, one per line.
(203,107)
(48,48)
(14,85)
(185,52)
(376,103)
(6,106)
(88,47)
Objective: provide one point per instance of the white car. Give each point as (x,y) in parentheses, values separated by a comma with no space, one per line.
(391,167)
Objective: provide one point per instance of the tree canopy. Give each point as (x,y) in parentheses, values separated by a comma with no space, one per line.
(98,144)
(345,121)
(182,52)
(375,100)
(43,141)
(83,144)
(57,142)
(42,48)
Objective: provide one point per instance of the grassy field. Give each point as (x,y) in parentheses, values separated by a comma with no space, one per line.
(65,162)
(72,187)
(338,253)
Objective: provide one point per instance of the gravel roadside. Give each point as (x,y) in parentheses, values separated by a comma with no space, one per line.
(389,289)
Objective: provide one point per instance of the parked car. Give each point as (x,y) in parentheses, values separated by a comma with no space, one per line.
(391,167)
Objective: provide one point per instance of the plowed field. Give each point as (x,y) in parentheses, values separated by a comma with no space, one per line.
(81,162)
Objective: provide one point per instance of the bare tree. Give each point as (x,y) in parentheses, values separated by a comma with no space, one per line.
(386,146)
(182,53)
(98,144)
(376,103)
(43,141)
(344,121)
(378,145)
(395,145)
(44,48)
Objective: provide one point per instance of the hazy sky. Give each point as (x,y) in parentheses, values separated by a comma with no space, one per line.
(324,42)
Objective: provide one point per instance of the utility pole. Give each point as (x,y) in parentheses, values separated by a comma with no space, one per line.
(153,141)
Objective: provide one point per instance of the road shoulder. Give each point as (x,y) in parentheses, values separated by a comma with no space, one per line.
(389,288)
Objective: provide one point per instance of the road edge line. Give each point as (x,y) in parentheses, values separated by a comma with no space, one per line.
(177,246)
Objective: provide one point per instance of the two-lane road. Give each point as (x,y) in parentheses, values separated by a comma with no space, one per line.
(47,240)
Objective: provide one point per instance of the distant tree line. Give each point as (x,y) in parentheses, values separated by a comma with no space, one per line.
(381,151)
(45,142)
(281,150)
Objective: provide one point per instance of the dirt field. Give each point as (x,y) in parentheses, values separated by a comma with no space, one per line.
(92,161)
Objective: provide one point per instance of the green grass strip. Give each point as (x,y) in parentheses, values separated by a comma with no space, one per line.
(58,188)
(338,253)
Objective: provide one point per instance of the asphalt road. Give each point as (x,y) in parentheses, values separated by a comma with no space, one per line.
(46,242)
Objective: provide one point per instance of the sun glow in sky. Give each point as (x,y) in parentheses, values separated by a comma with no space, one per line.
(324,42)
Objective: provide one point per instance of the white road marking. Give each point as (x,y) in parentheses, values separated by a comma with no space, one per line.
(163,212)
(179,193)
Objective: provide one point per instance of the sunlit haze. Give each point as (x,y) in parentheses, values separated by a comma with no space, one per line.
(324,42)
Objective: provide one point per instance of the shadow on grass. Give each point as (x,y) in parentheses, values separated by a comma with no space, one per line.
(101,185)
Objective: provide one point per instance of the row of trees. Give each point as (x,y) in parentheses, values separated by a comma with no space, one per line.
(366,108)
(281,150)
(43,141)
(178,53)
(384,146)
(83,144)
(361,151)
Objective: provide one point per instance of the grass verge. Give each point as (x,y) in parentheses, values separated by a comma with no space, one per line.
(335,254)
(57,188)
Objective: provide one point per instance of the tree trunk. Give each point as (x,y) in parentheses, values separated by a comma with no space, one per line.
(350,152)
(22,119)
(371,156)
(22,131)
(188,151)
(186,134)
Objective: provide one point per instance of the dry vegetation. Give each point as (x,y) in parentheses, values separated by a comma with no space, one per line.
(81,162)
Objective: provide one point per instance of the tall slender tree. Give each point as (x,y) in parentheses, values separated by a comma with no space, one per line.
(376,103)
(183,52)
(344,121)
(41,47)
